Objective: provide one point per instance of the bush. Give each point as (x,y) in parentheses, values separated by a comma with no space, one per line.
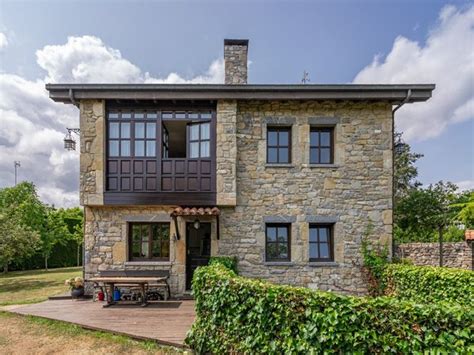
(229,262)
(429,283)
(240,315)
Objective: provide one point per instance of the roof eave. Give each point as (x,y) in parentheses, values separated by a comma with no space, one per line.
(69,93)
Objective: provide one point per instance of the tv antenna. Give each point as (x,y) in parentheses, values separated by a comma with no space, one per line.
(305,77)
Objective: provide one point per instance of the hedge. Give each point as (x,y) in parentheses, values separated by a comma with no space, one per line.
(229,262)
(241,315)
(429,283)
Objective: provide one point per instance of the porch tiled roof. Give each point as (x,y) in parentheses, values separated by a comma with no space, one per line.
(195,211)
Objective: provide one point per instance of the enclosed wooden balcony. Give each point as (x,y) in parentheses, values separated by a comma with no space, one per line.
(160,157)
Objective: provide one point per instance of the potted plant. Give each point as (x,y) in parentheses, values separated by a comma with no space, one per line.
(76,284)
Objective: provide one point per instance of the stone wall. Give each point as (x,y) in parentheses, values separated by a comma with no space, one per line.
(226,153)
(458,255)
(355,192)
(106,241)
(92,125)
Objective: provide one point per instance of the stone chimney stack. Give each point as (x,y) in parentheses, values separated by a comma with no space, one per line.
(235,61)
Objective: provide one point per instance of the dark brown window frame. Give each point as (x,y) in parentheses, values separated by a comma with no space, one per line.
(278,225)
(319,146)
(150,241)
(278,146)
(330,242)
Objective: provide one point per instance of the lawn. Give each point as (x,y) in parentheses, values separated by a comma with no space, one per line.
(21,287)
(32,335)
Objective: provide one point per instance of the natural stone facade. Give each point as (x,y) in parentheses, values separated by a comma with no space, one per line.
(235,61)
(106,241)
(92,124)
(355,192)
(457,255)
(226,153)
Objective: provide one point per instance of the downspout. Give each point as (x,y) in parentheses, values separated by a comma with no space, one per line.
(405,100)
(72,99)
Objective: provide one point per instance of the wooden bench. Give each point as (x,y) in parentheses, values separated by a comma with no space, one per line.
(145,279)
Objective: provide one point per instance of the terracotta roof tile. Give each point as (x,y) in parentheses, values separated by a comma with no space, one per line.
(196,211)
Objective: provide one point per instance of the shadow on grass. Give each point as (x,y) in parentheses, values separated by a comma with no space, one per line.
(13,274)
(27,285)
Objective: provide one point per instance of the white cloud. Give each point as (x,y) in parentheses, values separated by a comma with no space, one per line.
(32,126)
(3,41)
(447,60)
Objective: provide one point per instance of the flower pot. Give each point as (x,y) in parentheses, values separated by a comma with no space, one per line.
(77,292)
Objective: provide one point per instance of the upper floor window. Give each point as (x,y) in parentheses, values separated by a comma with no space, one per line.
(321,146)
(277,242)
(278,145)
(149,241)
(200,140)
(321,242)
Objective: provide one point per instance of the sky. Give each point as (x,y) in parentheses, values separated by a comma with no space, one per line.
(341,41)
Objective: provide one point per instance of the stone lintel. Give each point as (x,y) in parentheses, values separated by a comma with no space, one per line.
(279,219)
(322,219)
(161,217)
(323,121)
(280,121)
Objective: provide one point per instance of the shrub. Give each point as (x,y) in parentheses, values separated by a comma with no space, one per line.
(375,261)
(430,283)
(229,262)
(240,315)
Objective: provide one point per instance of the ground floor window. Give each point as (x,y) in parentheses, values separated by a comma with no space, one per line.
(149,241)
(321,242)
(277,242)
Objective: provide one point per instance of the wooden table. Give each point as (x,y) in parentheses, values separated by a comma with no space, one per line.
(111,282)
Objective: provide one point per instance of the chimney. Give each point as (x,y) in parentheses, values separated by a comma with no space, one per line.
(235,61)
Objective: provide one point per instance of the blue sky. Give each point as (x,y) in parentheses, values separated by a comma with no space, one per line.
(333,40)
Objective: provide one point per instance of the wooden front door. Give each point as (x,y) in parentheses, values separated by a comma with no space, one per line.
(198,249)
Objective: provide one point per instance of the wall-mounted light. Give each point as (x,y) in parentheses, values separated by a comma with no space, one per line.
(197,224)
(69,141)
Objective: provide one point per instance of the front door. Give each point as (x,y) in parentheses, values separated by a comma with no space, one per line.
(198,248)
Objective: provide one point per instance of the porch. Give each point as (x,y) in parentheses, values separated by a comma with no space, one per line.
(165,322)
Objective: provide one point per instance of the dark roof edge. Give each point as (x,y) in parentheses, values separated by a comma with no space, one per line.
(236,42)
(69,93)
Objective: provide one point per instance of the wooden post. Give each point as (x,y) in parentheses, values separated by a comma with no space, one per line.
(440,234)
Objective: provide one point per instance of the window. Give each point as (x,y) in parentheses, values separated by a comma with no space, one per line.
(200,140)
(321,146)
(145,139)
(119,139)
(278,145)
(321,242)
(277,242)
(149,241)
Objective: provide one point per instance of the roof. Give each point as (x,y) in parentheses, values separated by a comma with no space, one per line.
(195,211)
(395,94)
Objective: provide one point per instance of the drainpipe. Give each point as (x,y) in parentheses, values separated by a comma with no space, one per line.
(71,97)
(405,100)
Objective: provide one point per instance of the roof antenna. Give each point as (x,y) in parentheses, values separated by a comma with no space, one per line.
(305,77)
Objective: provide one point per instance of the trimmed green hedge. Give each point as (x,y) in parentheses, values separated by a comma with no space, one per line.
(241,315)
(229,262)
(429,284)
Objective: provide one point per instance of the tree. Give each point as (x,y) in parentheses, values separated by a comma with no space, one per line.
(55,232)
(74,219)
(423,213)
(405,171)
(16,240)
(464,206)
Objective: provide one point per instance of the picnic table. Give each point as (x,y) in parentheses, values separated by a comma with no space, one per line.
(143,282)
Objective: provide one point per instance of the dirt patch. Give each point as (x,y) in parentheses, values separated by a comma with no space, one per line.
(22,335)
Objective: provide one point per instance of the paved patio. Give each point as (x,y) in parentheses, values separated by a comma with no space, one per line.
(166,322)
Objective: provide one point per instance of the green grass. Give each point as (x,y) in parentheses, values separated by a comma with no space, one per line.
(36,327)
(22,287)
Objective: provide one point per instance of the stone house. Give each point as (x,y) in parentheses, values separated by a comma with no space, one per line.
(287,178)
